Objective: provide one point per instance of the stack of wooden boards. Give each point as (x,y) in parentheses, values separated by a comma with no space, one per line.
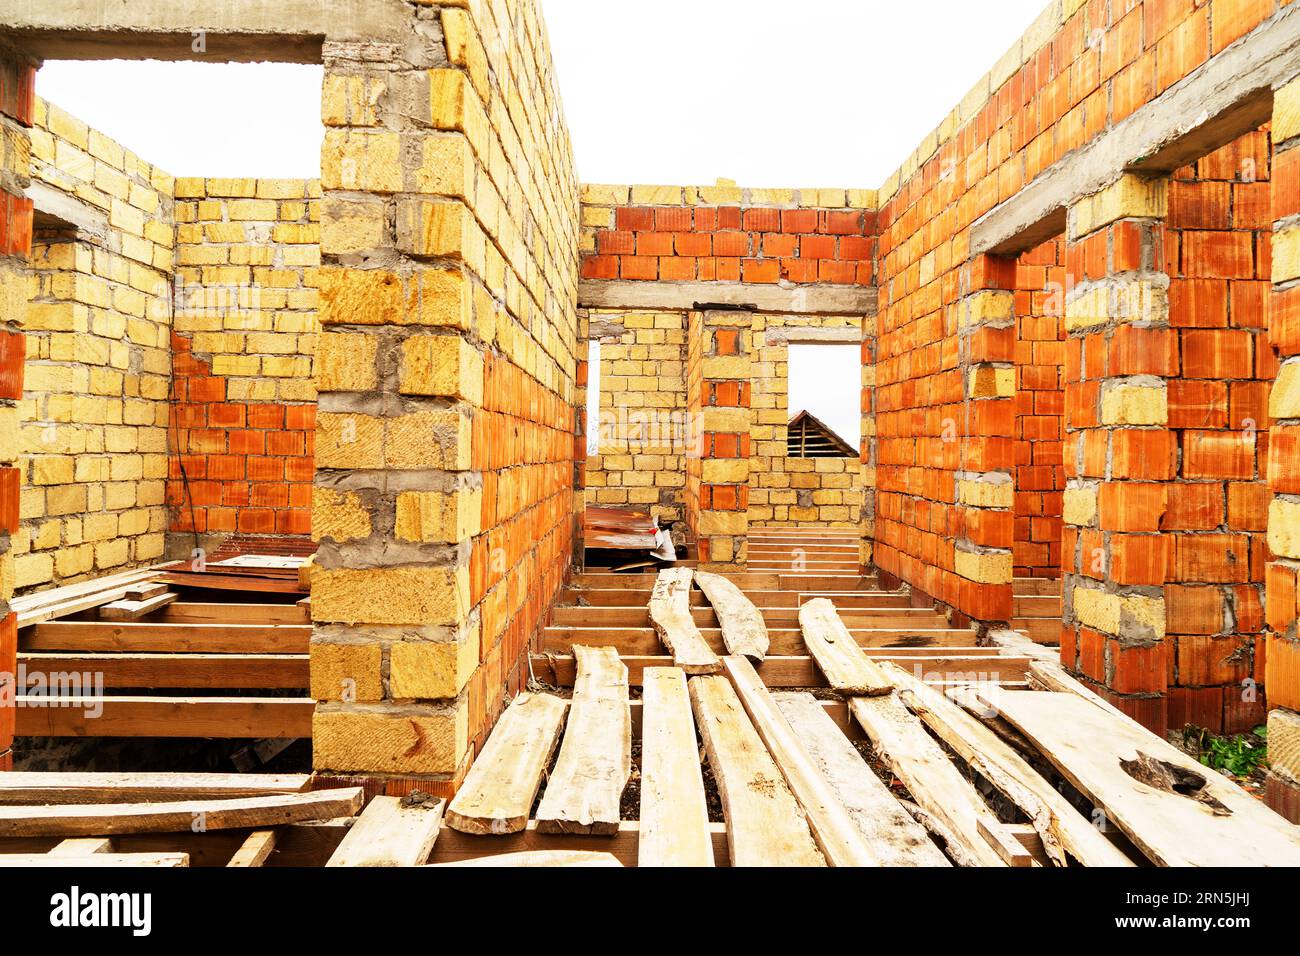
(170,651)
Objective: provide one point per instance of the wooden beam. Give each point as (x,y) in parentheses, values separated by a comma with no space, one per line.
(670,614)
(96,860)
(674,814)
(130,609)
(765,826)
(595,761)
(501,787)
(161,637)
(55,787)
(537,859)
(391,832)
(832,827)
(894,837)
(194,612)
(83,846)
(785,642)
(223,717)
(208,671)
(102,819)
(743,629)
(846,667)
(255,850)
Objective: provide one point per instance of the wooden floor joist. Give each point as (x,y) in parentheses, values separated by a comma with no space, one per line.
(280,718)
(215,671)
(391,832)
(96,860)
(52,787)
(674,815)
(784,642)
(894,837)
(501,787)
(765,825)
(841,660)
(148,637)
(743,629)
(586,785)
(670,615)
(256,850)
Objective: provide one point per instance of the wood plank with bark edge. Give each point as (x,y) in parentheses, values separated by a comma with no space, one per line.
(58,787)
(537,859)
(837,653)
(391,832)
(743,628)
(107,819)
(1207,821)
(765,824)
(255,850)
(97,860)
(932,779)
(671,617)
(894,837)
(834,829)
(674,822)
(501,787)
(1061,827)
(586,785)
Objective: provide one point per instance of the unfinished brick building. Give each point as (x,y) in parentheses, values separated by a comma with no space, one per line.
(1077,304)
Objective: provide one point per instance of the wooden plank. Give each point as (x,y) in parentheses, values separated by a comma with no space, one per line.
(1013,852)
(83,846)
(932,779)
(213,579)
(501,787)
(131,610)
(197,612)
(392,831)
(894,837)
(1062,828)
(223,717)
(255,850)
(743,629)
(765,825)
(144,591)
(537,859)
(586,786)
(623,843)
(55,787)
(785,642)
(102,819)
(847,669)
(97,860)
(674,814)
(834,829)
(213,671)
(162,637)
(1176,811)
(671,617)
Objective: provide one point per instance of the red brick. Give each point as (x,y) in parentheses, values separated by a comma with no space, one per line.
(1139,559)
(638,267)
(1138,670)
(799,220)
(600,267)
(12,355)
(675,219)
(1143,453)
(734,244)
(1217,353)
(634,219)
(1220,454)
(1193,506)
(654,244)
(762,271)
(762,220)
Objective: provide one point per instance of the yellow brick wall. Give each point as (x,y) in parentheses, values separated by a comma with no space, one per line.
(247,255)
(94,409)
(640,461)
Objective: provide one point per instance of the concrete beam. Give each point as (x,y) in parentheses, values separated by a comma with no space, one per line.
(685,296)
(90,223)
(794,335)
(287,31)
(1223,99)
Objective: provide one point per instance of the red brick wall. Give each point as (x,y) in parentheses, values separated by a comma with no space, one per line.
(235,466)
(1040,401)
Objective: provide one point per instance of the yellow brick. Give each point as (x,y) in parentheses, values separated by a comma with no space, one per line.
(281,188)
(442,229)
(351,226)
(349,672)
(1129,197)
(1286,112)
(345,362)
(987,306)
(722,523)
(432,670)
(602,195)
(439,297)
(453,105)
(380,742)
(339,515)
(446,167)
(986,567)
(1286,254)
(441,365)
(1284,400)
(1284,527)
(350,100)
(986,494)
(251,209)
(432,439)
(1128,404)
(365,161)
(657,195)
(232,188)
(723,471)
(346,440)
(438,515)
(464,48)
(991,381)
(406,595)
(1079,505)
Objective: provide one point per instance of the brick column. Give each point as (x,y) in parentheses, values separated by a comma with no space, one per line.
(719,436)
(399,374)
(977,443)
(867,454)
(1119,449)
(1282,652)
(17,98)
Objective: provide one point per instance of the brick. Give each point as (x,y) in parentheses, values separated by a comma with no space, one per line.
(430,516)
(444,365)
(397,742)
(346,671)
(345,362)
(432,670)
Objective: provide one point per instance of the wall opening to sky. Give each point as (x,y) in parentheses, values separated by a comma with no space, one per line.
(826,380)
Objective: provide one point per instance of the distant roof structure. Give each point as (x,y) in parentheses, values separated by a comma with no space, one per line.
(810,437)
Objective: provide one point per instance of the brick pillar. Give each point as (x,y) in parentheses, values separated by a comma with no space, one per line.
(400,372)
(1282,652)
(977,442)
(17,99)
(720,437)
(1119,450)
(867,455)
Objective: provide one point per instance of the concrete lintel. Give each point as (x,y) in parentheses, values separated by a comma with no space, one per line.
(685,296)
(1221,100)
(90,223)
(288,31)
(797,335)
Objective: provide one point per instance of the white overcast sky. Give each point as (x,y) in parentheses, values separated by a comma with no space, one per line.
(833,93)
